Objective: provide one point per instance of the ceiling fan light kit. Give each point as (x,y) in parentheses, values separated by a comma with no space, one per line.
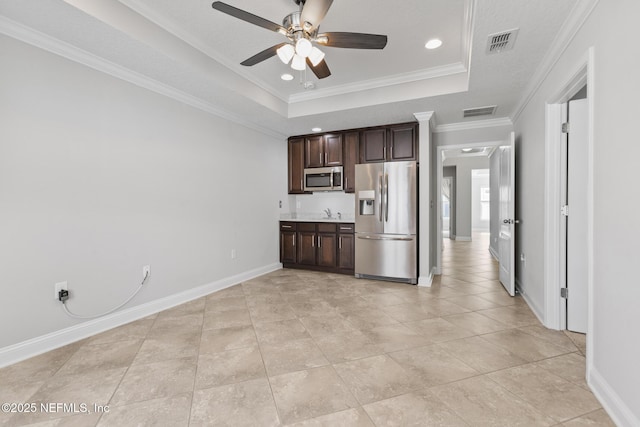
(301,28)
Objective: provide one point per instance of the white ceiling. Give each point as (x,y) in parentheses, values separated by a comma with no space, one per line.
(191,48)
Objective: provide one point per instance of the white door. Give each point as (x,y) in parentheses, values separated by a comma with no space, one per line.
(506,201)
(576,226)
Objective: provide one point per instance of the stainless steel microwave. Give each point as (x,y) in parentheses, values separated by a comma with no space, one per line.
(323,179)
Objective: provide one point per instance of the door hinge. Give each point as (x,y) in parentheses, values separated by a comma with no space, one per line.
(565,210)
(565,127)
(564,293)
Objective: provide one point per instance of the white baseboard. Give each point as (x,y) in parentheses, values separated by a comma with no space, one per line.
(532,305)
(427,281)
(462,238)
(35,346)
(619,412)
(494,254)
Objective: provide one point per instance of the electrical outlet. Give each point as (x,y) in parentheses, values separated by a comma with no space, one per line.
(146,271)
(233,254)
(59,287)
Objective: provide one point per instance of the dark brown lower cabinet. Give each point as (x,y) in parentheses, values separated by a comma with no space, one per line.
(317,246)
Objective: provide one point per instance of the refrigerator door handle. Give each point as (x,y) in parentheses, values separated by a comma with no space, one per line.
(402,239)
(386,198)
(380,190)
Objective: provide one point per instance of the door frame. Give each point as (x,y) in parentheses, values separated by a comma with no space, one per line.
(555,309)
(440,149)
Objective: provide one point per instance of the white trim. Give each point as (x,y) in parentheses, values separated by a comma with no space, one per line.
(568,31)
(475,124)
(532,305)
(152,15)
(462,238)
(43,41)
(35,346)
(620,413)
(555,309)
(414,76)
(428,281)
(495,255)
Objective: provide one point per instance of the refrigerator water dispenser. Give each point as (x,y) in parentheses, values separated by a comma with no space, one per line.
(366,202)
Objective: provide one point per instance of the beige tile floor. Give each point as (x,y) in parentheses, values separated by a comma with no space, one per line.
(312,349)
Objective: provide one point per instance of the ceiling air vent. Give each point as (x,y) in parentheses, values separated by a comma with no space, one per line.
(499,42)
(480,111)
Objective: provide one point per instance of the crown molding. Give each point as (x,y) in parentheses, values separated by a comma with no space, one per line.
(578,16)
(426,116)
(176,31)
(476,124)
(58,47)
(431,73)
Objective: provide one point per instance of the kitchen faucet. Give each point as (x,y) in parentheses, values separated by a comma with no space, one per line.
(328,212)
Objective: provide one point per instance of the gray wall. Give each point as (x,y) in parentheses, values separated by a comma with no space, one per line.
(464,166)
(616,231)
(99,177)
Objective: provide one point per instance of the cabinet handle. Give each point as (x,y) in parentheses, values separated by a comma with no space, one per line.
(346,182)
(340,243)
(325,159)
(320,158)
(301,185)
(286,226)
(391,151)
(294,240)
(313,241)
(319,241)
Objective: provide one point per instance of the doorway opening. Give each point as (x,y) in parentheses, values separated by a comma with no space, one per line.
(558,240)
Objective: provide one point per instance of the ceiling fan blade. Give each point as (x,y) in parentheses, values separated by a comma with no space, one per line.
(248,17)
(354,40)
(259,57)
(314,12)
(321,70)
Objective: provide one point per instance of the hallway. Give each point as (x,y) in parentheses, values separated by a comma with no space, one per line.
(303,348)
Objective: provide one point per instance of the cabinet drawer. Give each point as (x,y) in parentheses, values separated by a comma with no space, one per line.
(287,226)
(326,228)
(307,226)
(346,228)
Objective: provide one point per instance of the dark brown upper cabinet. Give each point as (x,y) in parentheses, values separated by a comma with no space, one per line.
(373,145)
(296,166)
(389,143)
(350,158)
(402,142)
(323,150)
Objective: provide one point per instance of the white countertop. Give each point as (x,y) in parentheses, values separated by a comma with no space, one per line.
(315,217)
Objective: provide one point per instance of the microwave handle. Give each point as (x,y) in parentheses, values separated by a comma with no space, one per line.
(331,179)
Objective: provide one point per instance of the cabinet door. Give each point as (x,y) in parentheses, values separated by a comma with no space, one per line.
(307,247)
(296,166)
(327,250)
(314,152)
(288,247)
(346,251)
(373,145)
(402,143)
(333,150)
(350,158)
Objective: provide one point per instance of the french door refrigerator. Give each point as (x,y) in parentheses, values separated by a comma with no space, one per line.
(386,217)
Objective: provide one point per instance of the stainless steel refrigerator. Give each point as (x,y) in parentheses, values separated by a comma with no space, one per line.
(386,221)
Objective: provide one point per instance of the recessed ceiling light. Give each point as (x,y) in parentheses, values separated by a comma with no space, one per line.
(467,150)
(286,77)
(433,44)
(316,129)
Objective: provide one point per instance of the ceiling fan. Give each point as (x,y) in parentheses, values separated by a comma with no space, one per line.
(301,28)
